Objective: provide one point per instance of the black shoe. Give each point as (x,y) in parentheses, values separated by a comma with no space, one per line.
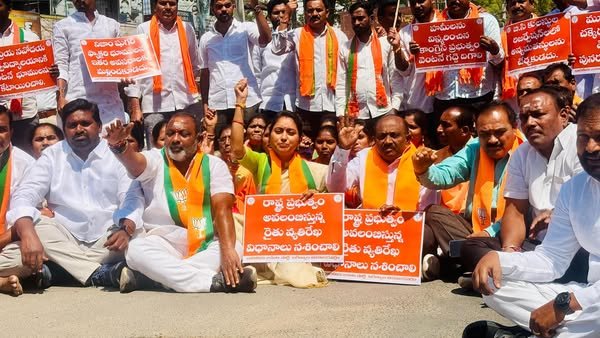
(107,275)
(43,280)
(489,329)
(247,282)
(132,280)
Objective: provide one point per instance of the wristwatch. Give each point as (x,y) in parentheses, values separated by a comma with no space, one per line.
(562,302)
(114,228)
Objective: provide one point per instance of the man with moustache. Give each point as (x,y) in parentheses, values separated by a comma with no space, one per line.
(382,172)
(190,241)
(225,59)
(536,173)
(456,87)
(74,81)
(176,48)
(316,47)
(483,163)
(96,206)
(367,82)
(518,285)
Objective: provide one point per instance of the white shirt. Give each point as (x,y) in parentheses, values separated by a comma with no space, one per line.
(532,177)
(575,224)
(277,79)
(153,183)
(228,60)
(29,104)
(452,89)
(175,92)
(324,98)
(87,197)
(366,92)
(20,163)
(344,174)
(416,97)
(68,56)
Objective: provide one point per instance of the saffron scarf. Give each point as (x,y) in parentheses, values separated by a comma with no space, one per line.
(185,55)
(188,199)
(453,198)
(406,189)
(5,178)
(306,60)
(352,75)
(16,105)
(300,177)
(482,215)
(434,81)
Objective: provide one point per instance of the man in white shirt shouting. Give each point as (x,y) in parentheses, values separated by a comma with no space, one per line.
(96,206)
(174,43)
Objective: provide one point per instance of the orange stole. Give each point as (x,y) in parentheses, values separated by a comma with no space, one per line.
(406,190)
(453,198)
(188,72)
(306,60)
(481,213)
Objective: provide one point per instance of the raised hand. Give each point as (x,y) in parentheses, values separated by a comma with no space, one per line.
(117,132)
(423,159)
(414,48)
(347,132)
(393,38)
(241,91)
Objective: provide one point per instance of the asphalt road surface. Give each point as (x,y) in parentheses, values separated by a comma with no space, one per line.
(435,309)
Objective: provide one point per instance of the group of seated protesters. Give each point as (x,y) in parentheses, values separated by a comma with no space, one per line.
(508,186)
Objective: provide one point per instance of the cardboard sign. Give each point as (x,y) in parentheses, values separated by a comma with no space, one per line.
(281,228)
(535,43)
(452,44)
(380,249)
(24,69)
(585,42)
(112,59)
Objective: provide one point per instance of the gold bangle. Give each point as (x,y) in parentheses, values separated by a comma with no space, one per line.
(241,105)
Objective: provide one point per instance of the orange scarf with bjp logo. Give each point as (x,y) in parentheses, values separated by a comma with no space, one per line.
(406,188)
(306,60)
(5,178)
(482,214)
(434,81)
(188,72)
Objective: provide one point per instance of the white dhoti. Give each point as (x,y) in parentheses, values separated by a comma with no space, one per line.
(515,300)
(161,255)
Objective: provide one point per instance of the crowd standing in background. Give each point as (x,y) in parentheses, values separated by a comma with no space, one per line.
(150,193)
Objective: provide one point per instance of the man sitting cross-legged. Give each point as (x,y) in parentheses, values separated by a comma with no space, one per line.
(96,206)
(190,244)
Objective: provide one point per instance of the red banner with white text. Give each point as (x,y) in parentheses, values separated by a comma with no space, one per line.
(535,43)
(380,249)
(585,42)
(446,45)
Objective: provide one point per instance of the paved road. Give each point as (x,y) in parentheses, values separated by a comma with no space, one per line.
(341,309)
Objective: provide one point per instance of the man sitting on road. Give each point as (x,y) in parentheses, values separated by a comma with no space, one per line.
(96,206)
(381,172)
(535,174)
(13,165)
(518,285)
(482,162)
(190,244)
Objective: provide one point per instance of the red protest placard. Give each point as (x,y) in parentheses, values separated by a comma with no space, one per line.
(380,249)
(24,69)
(281,228)
(446,45)
(535,43)
(110,60)
(585,42)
